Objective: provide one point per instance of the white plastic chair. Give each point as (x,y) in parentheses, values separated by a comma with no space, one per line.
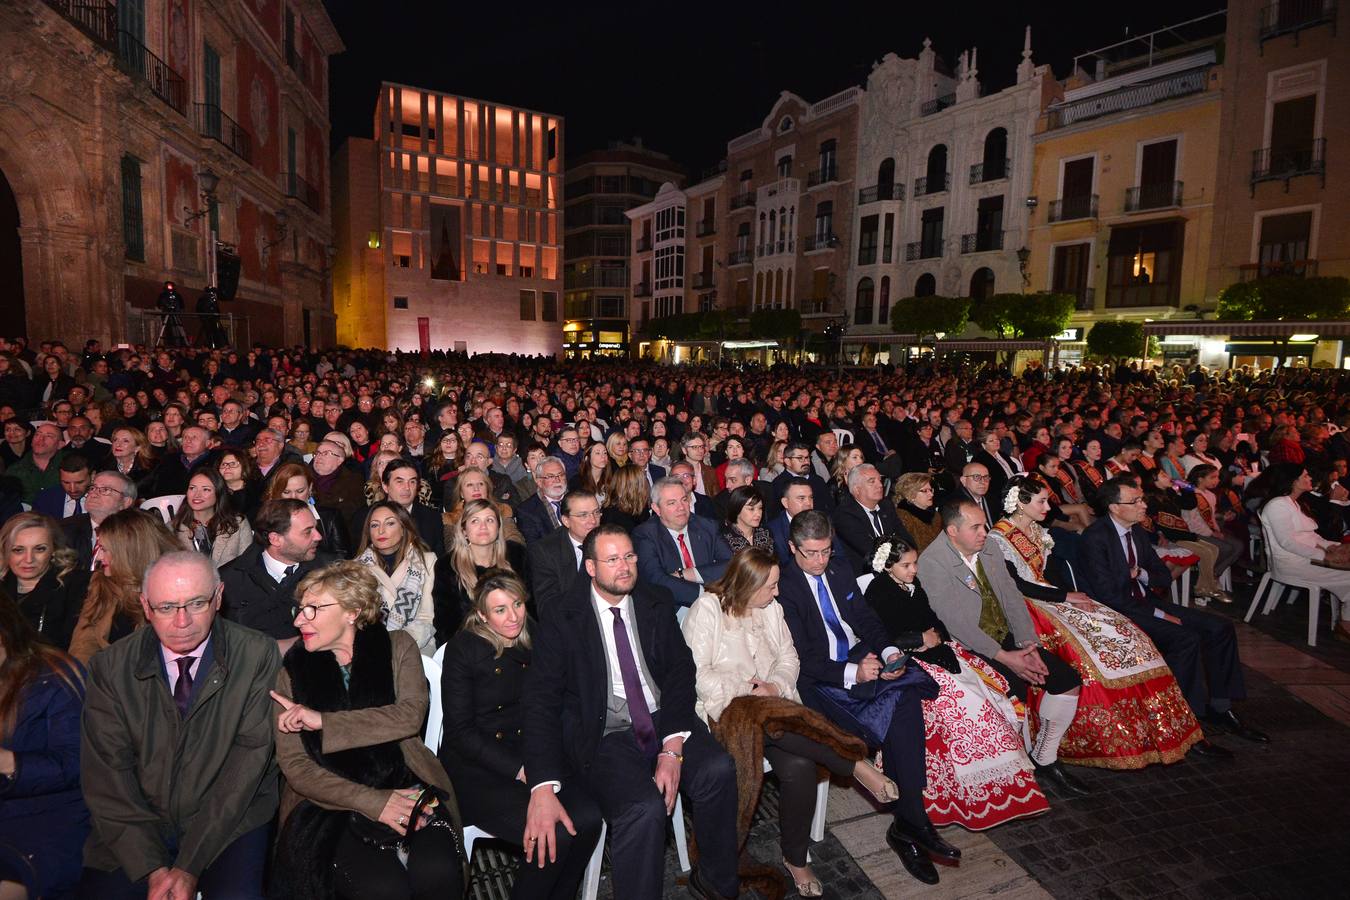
(864,581)
(431,667)
(843,435)
(166,505)
(817,821)
(1285,582)
(1181,589)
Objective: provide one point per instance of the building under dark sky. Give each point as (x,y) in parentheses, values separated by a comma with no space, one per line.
(688,77)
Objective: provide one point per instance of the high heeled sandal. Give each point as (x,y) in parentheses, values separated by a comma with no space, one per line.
(811,888)
(889,792)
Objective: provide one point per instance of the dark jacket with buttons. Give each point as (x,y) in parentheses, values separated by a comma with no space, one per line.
(481,696)
(253,598)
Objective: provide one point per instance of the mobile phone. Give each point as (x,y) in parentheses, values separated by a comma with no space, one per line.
(897,665)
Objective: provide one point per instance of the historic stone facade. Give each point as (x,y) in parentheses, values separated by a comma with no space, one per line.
(110,115)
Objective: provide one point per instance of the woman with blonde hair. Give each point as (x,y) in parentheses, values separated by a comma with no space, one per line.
(475,484)
(773,461)
(742,647)
(131,454)
(39,572)
(628,501)
(845,461)
(477,543)
(404,567)
(616,445)
(128,542)
(374,485)
(915,508)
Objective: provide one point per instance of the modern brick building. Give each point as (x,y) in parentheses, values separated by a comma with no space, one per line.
(449,227)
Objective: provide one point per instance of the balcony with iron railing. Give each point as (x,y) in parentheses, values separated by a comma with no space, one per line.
(740,258)
(1181,84)
(1068,209)
(96,18)
(814,305)
(642,289)
(990,171)
(1284,163)
(298,188)
(774,189)
(743,200)
(881,192)
(937,104)
(981,241)
(1292,16)
(1085,300)
(212,122)
(136,60)
(705,228)
(1163,195)
(1279,268)
(703,280)
(923,249)
(823,175)
(819,242)
(925,185)
(774,248)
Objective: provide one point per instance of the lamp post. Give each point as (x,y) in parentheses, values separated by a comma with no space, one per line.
(1023,257)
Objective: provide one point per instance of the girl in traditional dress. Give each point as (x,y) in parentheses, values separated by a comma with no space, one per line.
(979,774)
(1131,712)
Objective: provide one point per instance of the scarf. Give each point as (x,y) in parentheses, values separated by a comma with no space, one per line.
(409,592)
(325,483)
(923,515)
(992,620)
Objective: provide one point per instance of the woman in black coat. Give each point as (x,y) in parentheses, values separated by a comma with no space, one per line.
(482,686)
(41,574)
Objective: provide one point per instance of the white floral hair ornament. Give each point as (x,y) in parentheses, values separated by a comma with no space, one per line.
(879,558)
(1010,499)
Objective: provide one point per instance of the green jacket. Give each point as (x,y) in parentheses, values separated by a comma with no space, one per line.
(32,479)
(152,779)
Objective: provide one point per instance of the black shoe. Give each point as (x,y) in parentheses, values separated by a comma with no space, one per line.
(699,889)
(927,837)
(1230,722)
(912,856)
(1210,750)
(1063,783)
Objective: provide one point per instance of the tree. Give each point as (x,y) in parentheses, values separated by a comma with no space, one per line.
(1040,316)
(1283,298)
(994,312)
(1116,340)
(677,327)
(782,325)
(930,315)
(714,324)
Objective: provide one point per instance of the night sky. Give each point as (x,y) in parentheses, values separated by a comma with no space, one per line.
(689,77)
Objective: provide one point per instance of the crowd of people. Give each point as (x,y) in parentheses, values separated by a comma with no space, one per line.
(225,573)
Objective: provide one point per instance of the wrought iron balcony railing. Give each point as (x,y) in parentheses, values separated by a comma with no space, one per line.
(1066,209)
(1153,196)
(213,123)
(881,192)
(137,61)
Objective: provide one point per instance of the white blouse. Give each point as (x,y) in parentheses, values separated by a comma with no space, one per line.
(728,651)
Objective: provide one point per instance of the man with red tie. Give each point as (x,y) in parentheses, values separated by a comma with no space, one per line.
(677,551)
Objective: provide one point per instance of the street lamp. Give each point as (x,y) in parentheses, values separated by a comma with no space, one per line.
(281,218)
(1023,257)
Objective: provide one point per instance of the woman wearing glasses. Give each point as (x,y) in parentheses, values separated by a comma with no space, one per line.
(241,480)
(128,542)
(914,506)
(378,818)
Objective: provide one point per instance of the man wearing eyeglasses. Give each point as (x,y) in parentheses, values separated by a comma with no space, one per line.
(973,485)
(797,468)
(176,753)
(1121,569)
(110,492)
(609,720)
(555,559)
(844,649)
(540,515)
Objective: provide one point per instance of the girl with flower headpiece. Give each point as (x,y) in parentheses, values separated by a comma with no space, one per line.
(979,775)
(1130,711)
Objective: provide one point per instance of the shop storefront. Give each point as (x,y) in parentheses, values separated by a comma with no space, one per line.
(592,338)
(1258,345)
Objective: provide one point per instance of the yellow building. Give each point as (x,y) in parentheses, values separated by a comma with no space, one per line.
(1124,176)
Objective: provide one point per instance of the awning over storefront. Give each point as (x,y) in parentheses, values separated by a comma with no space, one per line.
(1328,329)
(988,346)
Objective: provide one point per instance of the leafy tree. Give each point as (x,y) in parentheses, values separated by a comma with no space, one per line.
(1116,340)
(1041,315)
(782,325)
(1284,298)
(994,312)
(677,327)
(714,324)
(930,315)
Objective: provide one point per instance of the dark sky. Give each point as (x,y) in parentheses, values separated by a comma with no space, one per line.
(688,77)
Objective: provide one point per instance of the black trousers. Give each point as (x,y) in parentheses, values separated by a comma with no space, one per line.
(498,805)
(794,759)
(236,874)
(1062,679)
(1201,651)
(621,781)
(364,872)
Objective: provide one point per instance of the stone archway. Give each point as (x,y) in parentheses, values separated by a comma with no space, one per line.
(13,317)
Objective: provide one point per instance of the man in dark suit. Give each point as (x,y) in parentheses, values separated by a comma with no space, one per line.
(479,455)
(640,455)
(738,473)
(1121,569)
(796,500)
(843,648)
(676,550)
(872,442)
(402,481)
(961,448)
(235,429)
(865,515)
(110,492)
(609,715)
(700,504)
(260,582)
(797,467)
(973,486)
(538,516)
(555,559)
(80,439)
(67,498)
(173,472)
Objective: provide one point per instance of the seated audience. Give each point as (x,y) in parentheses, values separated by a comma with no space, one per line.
(744,526)
(295,481)
(1295,546)
(863,516)
(676,550)
(915,509)
(554,561)
(241,479)
(628,500)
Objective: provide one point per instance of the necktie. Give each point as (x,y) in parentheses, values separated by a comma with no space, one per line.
(557,511)
(876,522)
(643,728)
(881,445)
(290,570)
(832,621)
(1136,591)
(182,690)
(684,552)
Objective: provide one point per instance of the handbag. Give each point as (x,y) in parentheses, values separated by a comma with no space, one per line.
(377,834)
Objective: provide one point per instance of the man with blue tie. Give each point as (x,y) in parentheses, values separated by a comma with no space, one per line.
(539,515)
(844,653)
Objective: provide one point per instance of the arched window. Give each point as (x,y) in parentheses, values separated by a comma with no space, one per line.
(995,154)
(936,173)
(926,285)
(862,307)
(886,173)
(884,301)
(759,290)
(982,284)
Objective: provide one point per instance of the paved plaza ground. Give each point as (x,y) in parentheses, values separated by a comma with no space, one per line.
(1273,822)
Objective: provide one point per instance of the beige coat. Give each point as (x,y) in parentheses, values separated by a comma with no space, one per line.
(729,651)
(225,547)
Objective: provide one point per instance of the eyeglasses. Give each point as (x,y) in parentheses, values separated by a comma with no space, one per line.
(1138,502)
(555,477)
(104,489)
(309,611)
(169,610)
(612,561)
(329,453)
(593,514)
(816,554)
(797,457)
(977,477)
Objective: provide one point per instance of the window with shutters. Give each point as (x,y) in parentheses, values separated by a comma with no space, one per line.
(867,241)
(862,305)
(1143,265)
(1283,245)
(1070,272)
(133,224)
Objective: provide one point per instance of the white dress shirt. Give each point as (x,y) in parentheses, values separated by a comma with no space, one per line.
(1125,538)
(275,567)
(850,669)
(689,545)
